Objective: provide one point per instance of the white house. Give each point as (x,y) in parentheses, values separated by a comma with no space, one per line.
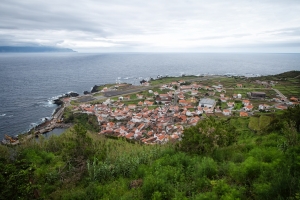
(248,108)
(207,102)
(226,112)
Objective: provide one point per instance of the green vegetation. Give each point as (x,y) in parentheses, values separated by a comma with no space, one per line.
(287,82)
(238,104)
(101,87)
(225,158)
(259,123)
(217,159)
(87,121)
(288,88)
(165,80)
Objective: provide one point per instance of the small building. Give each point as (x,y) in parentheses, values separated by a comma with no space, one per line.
(132,106)
(226,112)
(246,102)
(163,98)
(281,107)
(248,108)
(194,92)
(230,104)
(263,106)
(183,102)
(126,97)
(223,99)
(243,114)
(257,95)
(294,99)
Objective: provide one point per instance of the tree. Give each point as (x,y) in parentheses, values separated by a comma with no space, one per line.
(83,142)
(219,103)
(292,114)
(208,135)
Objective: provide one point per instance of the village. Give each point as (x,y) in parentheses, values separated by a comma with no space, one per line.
(159,115)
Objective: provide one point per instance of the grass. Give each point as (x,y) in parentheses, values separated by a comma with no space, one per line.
(133,101)
(264,121)
(259,123)
(171,79)
(74,103)
(289,89)
(238,106)
(224,105)
(100,87)
(269,92)
(254,123)
(241,124)
(97,94)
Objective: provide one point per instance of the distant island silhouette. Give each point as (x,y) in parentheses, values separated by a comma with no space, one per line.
(32,49)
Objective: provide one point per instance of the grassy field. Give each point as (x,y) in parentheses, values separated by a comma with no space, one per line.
(241,124)
(231,82)
(100,87)
(288,82)
(269,92)
(171,79)
(258,123)
(289,88)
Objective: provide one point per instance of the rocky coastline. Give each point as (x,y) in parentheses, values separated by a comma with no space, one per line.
(56,121)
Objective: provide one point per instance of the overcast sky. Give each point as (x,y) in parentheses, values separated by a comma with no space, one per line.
(153,25)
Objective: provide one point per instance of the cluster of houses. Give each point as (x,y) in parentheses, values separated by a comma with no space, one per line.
(173,111)
(266,83)
(160,125)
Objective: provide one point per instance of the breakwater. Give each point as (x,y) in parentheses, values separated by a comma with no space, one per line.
(56,121)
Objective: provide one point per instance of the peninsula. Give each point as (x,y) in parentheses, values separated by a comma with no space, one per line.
(159,110)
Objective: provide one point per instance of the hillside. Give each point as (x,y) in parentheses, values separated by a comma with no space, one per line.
(217,159)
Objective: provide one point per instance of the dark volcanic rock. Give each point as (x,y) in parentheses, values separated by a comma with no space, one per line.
(58,101)
(143,81)
(72,94)
(94,89)
(86,92)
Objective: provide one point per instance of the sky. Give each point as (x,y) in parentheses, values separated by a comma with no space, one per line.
(153,26)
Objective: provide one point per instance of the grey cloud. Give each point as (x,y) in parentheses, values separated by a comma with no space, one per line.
(109,19)
(26,15)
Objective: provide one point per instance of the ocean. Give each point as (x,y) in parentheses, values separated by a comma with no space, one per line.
(29,81)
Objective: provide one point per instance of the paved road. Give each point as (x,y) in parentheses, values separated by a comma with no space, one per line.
(121,92)
(143,88)
(59,113)
(279,93)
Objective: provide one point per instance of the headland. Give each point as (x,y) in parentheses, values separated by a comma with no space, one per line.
(158,110)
